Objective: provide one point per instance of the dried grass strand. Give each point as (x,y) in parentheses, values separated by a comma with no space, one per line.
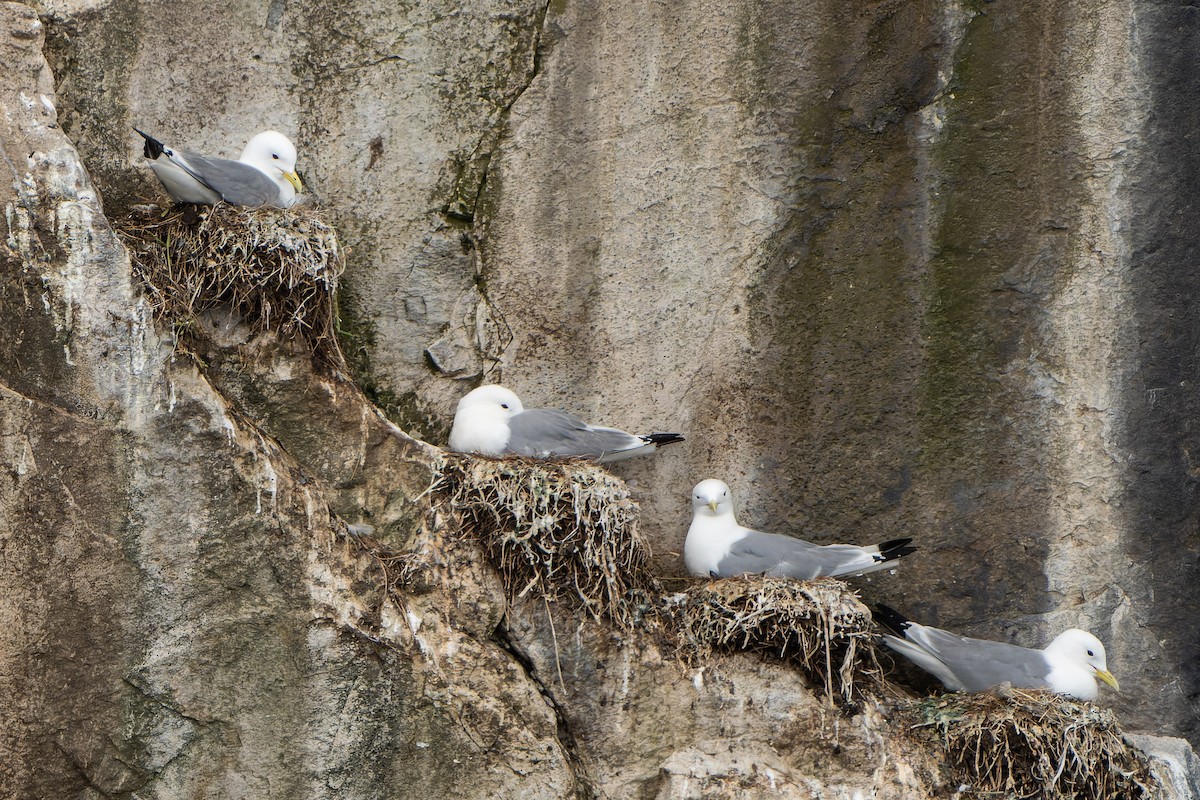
(564,529)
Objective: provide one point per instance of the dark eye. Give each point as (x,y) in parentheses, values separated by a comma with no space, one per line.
(274,156)
(1090,653)
(505,405)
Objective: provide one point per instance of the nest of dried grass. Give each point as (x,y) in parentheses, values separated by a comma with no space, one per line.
(821,626)
(278,269)
(560,529)
(1019,743)
(568,530)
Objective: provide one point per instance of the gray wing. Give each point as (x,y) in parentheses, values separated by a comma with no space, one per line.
(238,184)
(540,432)
(980,664)
(775,554)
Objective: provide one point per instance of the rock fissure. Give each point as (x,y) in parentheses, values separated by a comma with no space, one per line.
(584,788)
(83,773)
(502,123)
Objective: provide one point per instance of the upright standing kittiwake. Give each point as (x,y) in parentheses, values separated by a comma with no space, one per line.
(264,175)
(717,546)
(1068,665)
(491,421)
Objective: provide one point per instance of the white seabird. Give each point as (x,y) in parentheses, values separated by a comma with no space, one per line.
(491,421)
(718,547)
(264,175)
(1068,665)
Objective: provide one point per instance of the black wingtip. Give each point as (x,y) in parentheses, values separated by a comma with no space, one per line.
(663,439)
(895,548)
(890,618)
(153,148)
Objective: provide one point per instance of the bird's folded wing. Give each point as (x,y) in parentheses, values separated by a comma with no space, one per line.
(978,663)
(775,554)
(237,183)
(770,553)
(548,431)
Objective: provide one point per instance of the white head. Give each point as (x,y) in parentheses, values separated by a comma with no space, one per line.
(274,154)
(712,498)
(480,423)
(493,400)
(1082,649)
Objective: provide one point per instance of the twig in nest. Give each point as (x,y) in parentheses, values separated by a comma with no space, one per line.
(566,529)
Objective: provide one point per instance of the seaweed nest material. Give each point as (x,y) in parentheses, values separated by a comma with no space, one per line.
(1019,743)
(562,529)
(276,268)
(821,626)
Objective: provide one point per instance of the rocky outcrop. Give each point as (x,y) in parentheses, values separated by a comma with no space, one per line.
(185,613)
(918,269)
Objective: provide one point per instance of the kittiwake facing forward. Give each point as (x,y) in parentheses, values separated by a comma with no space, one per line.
(264,175)
(491,421)
(717,546)
(1068,665)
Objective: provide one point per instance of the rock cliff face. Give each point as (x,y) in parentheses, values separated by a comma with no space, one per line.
(917,268)
(160,549)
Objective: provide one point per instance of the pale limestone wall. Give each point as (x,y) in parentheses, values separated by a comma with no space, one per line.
(183,615)
(900,269)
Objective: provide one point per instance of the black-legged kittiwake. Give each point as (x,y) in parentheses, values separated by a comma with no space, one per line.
(264,175)
(491,421)
(718,547)
(1068,665)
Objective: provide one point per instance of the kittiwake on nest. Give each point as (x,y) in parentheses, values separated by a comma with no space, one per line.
(491,421)
(1068,665)
(277,269)
(718,547)
(264,175)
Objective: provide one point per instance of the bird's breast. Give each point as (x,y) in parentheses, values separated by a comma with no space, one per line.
(708,541)
(473,433)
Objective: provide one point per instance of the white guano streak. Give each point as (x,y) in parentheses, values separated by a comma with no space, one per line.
(1087,317)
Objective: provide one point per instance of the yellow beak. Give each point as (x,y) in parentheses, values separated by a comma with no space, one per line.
(713,505)
(294,180)
(1108,678)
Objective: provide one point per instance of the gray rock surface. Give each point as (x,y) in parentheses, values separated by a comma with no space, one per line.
(184,615)
(1175,763)
(912,268)
(892,270)
(395,110)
